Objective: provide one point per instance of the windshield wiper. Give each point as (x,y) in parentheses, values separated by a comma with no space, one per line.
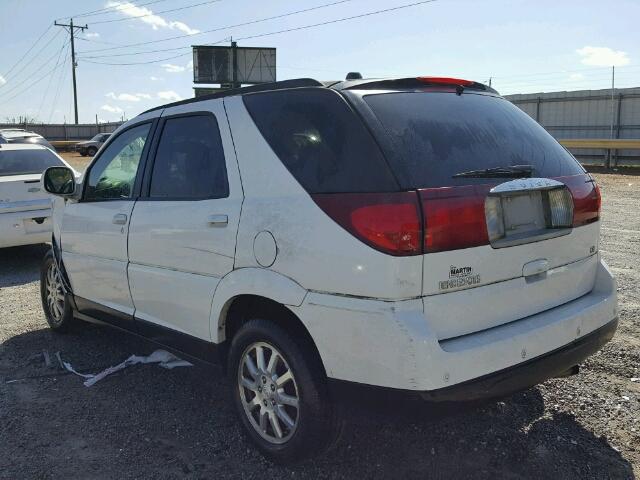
(510,171)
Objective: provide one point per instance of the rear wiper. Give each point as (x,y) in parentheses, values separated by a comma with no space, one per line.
(510,171)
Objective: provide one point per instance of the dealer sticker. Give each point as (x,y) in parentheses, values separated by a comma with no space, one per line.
(460,277)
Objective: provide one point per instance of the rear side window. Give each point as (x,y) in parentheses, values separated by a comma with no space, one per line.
(22,162)
(321,141)
(436,135)
(190,162)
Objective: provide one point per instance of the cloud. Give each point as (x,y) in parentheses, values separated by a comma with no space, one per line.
(576,76)
(190,65)
(603,56)
(92,35)
(2,80)
(170,68)
(128,97)
(169,95)
(111,108)
(147,16)
(154,79)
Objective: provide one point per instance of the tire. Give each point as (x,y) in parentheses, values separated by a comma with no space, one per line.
(315,420)
(55,303)
(91,151)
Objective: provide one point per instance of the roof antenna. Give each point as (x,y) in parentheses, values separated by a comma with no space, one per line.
(354,76)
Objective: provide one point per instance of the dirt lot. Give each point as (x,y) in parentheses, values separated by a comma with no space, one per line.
(147,422)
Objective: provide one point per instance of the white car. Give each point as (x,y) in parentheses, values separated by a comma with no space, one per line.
(421,237)
(25,207)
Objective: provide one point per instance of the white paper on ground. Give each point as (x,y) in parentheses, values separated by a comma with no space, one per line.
(162,357)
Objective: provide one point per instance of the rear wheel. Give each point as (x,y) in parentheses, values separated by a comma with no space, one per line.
(55,303)
(91,151)
(280,393)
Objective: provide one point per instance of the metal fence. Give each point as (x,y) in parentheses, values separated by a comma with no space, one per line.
(64,131)
(588,114)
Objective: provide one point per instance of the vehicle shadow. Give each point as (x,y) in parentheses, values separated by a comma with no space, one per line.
(20,265)
(154,423)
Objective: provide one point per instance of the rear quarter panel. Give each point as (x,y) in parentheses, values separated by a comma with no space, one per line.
(311,248)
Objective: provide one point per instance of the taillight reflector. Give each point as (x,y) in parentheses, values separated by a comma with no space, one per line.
(454,217)
(388,222)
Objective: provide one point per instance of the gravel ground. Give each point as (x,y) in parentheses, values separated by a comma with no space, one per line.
(147,422)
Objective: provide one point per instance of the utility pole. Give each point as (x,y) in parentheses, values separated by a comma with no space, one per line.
(234,64)
(613,91)
(73,60)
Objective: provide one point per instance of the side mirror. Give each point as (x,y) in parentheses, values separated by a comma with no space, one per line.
(59,181)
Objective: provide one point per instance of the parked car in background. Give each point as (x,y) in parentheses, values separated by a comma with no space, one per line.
(25,206)
(18,135)
(418,237)
(90,147)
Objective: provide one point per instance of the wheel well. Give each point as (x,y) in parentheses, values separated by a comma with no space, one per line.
(247,307)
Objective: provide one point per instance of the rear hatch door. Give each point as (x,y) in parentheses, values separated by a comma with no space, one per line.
(510,217)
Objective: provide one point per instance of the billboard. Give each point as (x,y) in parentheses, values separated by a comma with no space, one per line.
(214,64)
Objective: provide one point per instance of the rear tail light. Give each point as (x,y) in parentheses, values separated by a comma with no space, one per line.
(388,222)
(450,218)
(586,199)
(454,217)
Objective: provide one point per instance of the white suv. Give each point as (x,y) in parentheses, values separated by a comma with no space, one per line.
(421,236)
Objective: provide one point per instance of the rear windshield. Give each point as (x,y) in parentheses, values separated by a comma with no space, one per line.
(321,141)
(23,162)
(435,135)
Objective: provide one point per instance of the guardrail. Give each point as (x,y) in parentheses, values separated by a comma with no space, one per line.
(609,145)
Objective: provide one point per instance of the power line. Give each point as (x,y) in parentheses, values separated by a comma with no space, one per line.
(251,22)
(344,19)
(32,60)
(6,100)
(155,13)
(26,53)
(140,63)
(36,70)
(112,9)
(46,91)
(63,76)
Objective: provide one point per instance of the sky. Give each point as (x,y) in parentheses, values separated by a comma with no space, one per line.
(523,46)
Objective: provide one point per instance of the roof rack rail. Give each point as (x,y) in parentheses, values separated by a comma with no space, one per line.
(264,87)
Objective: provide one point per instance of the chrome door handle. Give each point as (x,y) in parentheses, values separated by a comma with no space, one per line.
(120,219)
(217,220)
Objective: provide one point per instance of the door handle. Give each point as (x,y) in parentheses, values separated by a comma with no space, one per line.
(120,219)
(217,220)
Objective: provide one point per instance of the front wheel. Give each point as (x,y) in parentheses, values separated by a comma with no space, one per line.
(91,151)
(279,391)
(55,303)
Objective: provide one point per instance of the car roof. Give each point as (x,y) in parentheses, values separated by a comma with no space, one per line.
(22,146)
(367,83)
(18,134)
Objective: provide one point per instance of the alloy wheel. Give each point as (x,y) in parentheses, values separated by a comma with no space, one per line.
(268,392)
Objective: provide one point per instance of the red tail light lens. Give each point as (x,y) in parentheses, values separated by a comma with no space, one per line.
(388,222)
(586,198)
(454,217)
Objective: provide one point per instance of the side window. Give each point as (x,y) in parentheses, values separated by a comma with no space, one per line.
(320,140)
(189,161)
(113,175)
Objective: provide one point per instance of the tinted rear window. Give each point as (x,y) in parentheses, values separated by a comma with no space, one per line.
(436,135)
(321,141)
(23,162)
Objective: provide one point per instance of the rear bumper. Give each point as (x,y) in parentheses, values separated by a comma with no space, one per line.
(392,345)
(496,384)
(25,228)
